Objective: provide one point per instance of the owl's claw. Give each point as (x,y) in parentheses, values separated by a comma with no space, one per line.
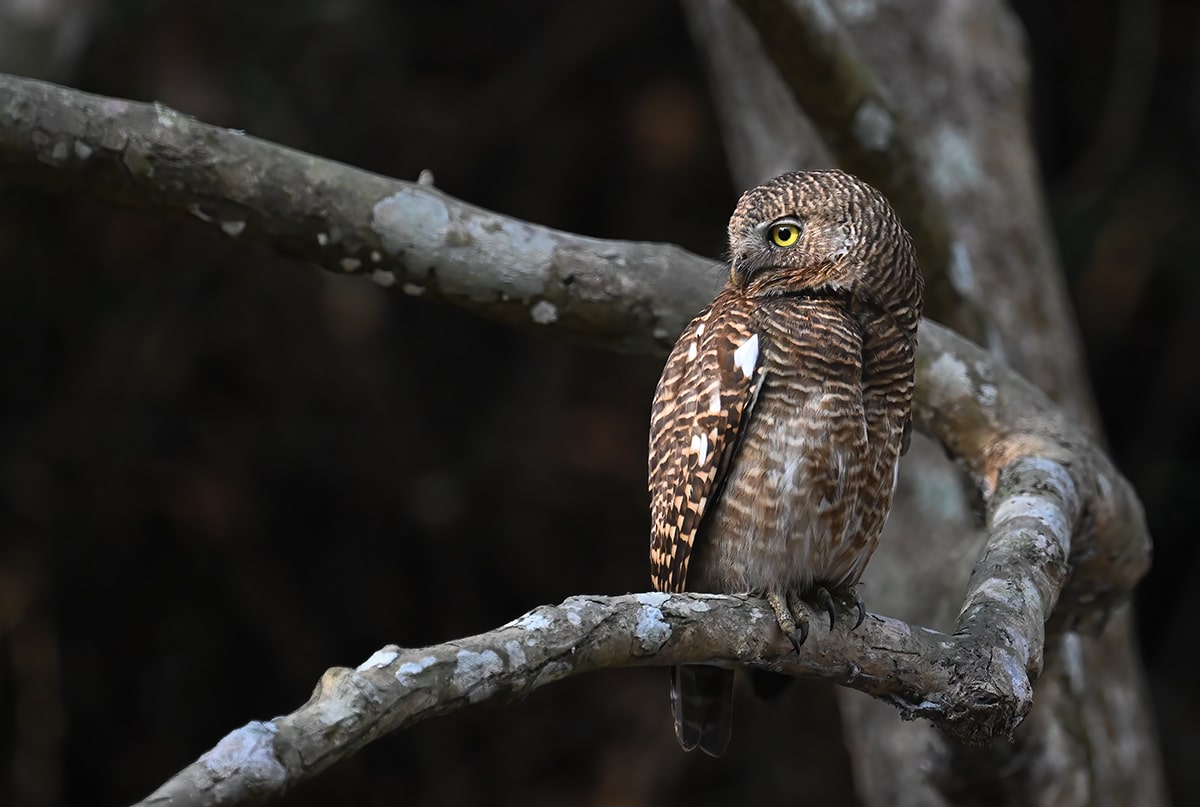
(792,614)
(858,603)
(848,597)
(798,636)
(792,617)
(825,600)
(796,606)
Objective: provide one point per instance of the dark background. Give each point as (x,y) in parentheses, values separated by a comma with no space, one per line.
(222,472)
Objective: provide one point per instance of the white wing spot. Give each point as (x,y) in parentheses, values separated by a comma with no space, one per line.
(700,446)
(700,329)
(691,351)
(746,356)
(714,405)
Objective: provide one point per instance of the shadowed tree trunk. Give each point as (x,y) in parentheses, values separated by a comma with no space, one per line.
(957,76)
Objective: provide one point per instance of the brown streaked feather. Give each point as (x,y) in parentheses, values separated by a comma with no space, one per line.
(889,359)
(791,508)
(700,407)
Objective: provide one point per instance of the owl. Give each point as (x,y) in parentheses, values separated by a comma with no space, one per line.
(780,418)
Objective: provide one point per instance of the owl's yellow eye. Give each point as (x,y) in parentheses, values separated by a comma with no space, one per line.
(785,233)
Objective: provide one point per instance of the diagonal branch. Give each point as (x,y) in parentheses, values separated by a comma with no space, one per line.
(396,687)
(623,295)
(1050,490)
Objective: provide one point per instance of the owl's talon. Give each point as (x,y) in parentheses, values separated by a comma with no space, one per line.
(847,597)
(796,607)
(798,636)
(791,616)
(825,600)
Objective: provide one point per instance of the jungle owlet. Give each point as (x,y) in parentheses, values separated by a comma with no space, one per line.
(781,415)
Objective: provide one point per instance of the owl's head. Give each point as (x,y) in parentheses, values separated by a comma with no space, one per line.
(822,231)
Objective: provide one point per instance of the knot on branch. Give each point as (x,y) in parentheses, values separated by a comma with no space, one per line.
(991,693)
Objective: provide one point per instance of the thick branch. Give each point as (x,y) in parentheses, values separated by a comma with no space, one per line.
(620,294)
(920,671)
(1052,494)
(624,295)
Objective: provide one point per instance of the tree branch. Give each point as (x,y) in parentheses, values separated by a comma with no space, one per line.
(622,295)
(1038,471)
(1039,477)
(763,128)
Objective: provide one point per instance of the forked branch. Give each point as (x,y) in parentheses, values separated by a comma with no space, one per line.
(1038,475)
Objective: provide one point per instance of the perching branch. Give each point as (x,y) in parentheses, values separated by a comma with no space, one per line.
(1038,475)
(1055,505)
(396,688)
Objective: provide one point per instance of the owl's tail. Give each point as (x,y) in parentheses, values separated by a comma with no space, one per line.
(702,702)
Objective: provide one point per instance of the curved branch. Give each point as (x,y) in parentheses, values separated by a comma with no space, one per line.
(1053,496)
(396,687)
(619,294)
(1039,476)
(623,295)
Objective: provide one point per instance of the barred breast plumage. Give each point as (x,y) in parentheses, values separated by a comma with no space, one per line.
(781,415)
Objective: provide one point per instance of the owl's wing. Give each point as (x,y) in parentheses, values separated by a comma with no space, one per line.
(888,364)
(704,400)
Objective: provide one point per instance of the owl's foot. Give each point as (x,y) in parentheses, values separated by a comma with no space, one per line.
(848,597)
(792,616)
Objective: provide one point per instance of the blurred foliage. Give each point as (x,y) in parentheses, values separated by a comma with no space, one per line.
(222,472)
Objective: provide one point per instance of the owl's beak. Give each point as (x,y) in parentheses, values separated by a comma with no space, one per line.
(743,266)
(739,268)
(737,273)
